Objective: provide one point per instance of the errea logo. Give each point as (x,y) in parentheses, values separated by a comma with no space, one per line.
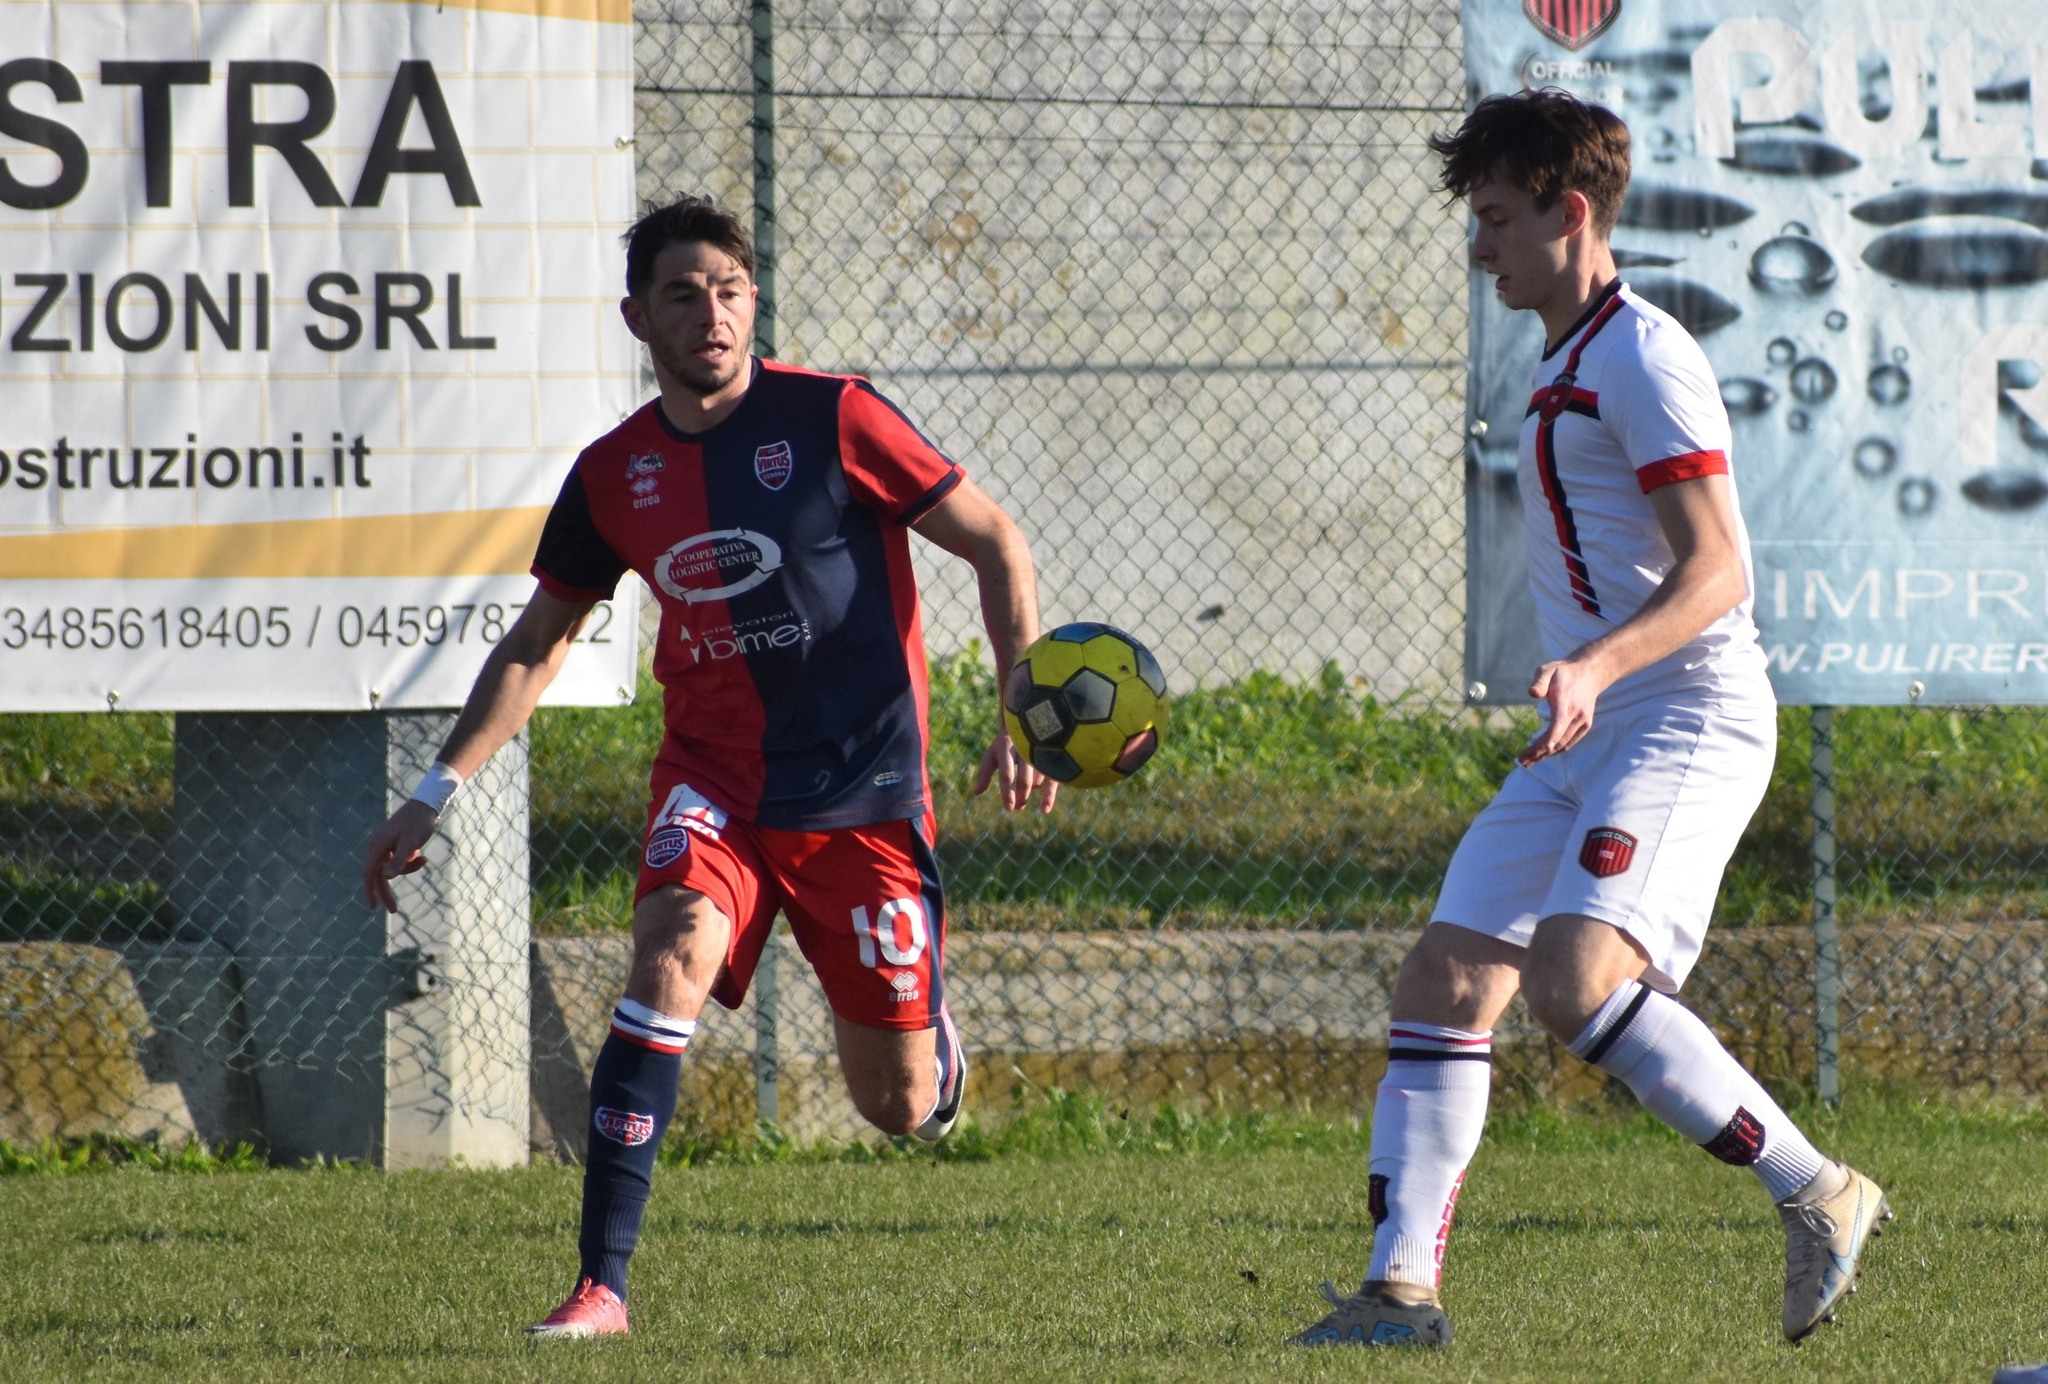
(643,478)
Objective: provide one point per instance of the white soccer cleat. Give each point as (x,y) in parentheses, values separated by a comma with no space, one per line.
(1379,1314)
(1824,1238)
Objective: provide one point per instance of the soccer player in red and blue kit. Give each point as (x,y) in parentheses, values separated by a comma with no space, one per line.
(767,507)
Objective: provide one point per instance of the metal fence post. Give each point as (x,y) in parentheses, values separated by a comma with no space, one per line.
(767,987)
(764,174)
(1827,949)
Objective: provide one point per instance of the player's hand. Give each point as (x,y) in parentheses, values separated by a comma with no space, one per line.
(1571,688)
(394,850)
(1003,766)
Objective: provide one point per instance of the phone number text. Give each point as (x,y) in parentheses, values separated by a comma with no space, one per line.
(272,627)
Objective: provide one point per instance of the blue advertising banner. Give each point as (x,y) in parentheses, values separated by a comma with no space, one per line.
(1847,204)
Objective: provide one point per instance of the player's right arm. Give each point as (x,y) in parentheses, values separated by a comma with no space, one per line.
(515,674)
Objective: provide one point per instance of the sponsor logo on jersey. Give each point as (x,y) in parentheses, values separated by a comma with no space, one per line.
(731,643)
(1573,23)
(1607,852)
(717,566)
(773,463)
(888,779)
(623,1126)
(904,983)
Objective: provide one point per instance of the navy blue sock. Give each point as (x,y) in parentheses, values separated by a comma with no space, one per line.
(632,1097)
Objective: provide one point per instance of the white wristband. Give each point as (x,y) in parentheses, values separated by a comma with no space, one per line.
(437,786)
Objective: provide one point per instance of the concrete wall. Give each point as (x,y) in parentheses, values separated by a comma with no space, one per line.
(94,1040)
(1187,306)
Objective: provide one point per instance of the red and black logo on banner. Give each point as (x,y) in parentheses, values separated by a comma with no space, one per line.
(1573,23)
(1608,851)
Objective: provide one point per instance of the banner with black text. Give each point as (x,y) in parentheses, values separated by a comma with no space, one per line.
(306,310)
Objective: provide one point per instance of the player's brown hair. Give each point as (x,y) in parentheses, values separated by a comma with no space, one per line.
(1546,142)
(685,221)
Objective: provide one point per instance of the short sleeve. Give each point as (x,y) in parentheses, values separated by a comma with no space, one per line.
(889,464)
(573,562)
(1664,407)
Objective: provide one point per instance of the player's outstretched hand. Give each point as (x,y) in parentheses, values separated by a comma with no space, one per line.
(1571,689)
(395,850)
(1003,766)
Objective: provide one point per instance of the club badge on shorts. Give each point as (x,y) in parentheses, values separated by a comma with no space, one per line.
(1608,852)
(685,811)
(667,844)
(623,1126)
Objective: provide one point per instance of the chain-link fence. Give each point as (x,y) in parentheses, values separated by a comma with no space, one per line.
(1170,281)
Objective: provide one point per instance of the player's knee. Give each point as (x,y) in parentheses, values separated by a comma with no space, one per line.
(893,1111)
(1560,997)
(1573,964)
(677,936)
(1443,981)
(1551,1001)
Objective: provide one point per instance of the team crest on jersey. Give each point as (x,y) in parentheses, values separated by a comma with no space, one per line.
(1573,23)
(623,1126)
(1608,851)
(773,463)
(637,467)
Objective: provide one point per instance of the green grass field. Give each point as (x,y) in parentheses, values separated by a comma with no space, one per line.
(1586,1249)
(1271,803)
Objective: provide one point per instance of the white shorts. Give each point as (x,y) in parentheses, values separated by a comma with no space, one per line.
(1633,826)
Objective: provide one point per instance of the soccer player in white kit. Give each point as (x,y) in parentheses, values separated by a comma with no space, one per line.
(1588,880)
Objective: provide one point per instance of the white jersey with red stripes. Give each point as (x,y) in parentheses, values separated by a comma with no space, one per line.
(1624,404)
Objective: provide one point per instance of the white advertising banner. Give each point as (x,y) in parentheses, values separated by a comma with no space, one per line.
(305,311)
(1846,202)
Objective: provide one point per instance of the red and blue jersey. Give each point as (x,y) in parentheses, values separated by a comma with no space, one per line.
(791,653)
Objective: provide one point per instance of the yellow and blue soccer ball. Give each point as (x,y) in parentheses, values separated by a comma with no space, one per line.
(1085,705)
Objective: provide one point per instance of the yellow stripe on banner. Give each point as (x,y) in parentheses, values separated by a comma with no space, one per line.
(599,11)
(466,543)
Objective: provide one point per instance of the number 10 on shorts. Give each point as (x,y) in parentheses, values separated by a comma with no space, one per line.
(880,934)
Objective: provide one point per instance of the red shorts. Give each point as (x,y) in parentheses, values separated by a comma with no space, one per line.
(864,902)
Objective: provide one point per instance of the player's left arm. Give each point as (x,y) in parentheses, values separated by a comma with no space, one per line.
(969,524)
(1705,582)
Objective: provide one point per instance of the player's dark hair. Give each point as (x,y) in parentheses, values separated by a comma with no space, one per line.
(1546,142)
(685,221)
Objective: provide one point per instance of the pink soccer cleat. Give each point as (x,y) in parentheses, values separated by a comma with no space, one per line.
(592,1310)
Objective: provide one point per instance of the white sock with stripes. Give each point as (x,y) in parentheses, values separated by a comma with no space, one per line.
(1682,1075)
(1426,1123)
